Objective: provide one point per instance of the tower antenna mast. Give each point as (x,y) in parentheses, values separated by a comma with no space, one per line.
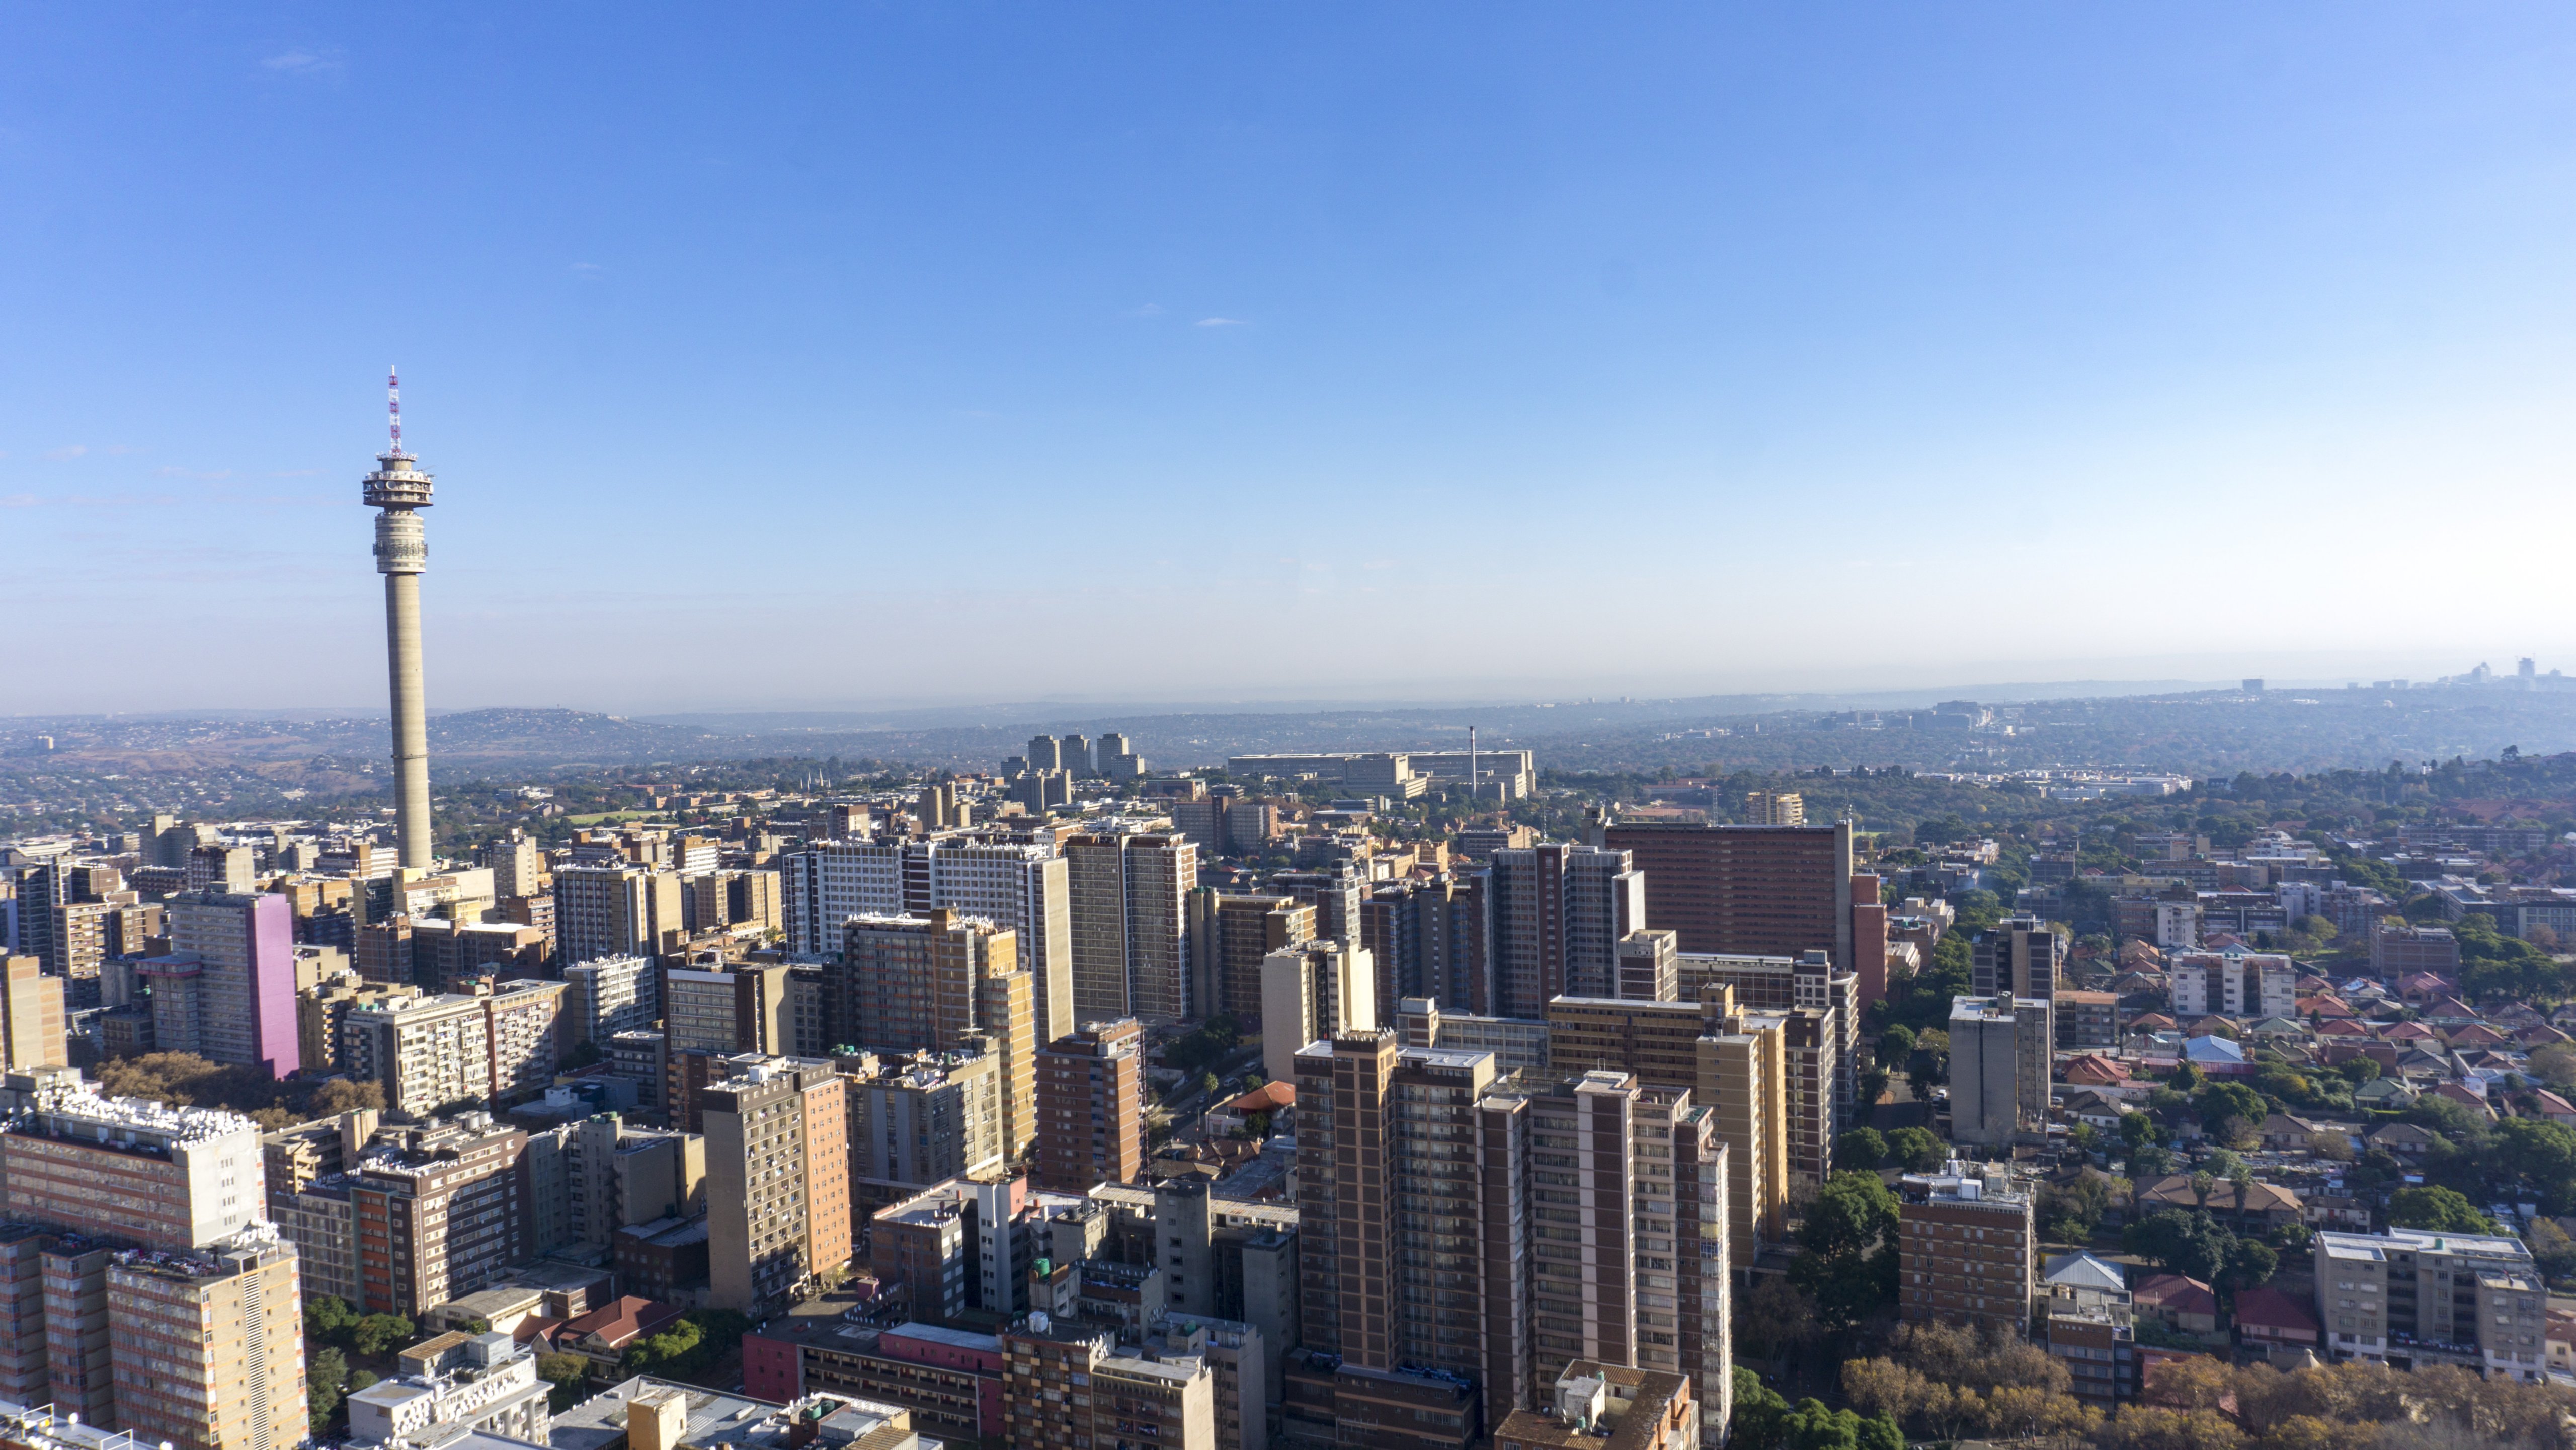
(393,402)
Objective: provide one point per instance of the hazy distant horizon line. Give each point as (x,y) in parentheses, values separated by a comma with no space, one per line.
(1991,692)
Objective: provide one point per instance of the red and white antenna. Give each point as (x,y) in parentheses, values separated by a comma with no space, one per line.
(393,402)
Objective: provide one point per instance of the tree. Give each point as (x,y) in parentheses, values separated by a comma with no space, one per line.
(2541,1153)
(340,1095)
(2331,1144)
(1860,1148)
(585,1053)
(1915,1150)
(1895,1045)
(2250,1263)
(2556,1064)
(2357,1070)
(328,1320)
(1849,1261)
(2552,1250)
(323,1373)
(2219,1101)
(1778,1316)
(2070,1212)
(568,1373)
(2439,1209)
(377,1334)
(1759,1413)
(2187,1242)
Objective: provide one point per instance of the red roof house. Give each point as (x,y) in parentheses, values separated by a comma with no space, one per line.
(2267,1317)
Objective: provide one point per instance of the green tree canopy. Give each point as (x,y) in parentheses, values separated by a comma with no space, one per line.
(1860,1148)
(2437,1209)
(1915,1150)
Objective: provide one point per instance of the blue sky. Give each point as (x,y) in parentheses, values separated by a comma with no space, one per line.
(930,353)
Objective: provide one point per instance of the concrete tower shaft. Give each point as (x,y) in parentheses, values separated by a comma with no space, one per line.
(402,553)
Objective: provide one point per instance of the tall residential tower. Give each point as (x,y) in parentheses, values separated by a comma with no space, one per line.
(402,553)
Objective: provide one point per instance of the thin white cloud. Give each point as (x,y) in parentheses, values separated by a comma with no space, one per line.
(587,270)
(1221,322)
(202,473)
(19,501)
(67,452)
(295,473)
(304,62)
(1150,309)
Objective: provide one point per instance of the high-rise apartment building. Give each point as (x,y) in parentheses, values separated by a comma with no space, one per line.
(610,995)
(1433,939)
(232,870)
(778,1181)
(427,1052)
(1417,1267)
(1759,890)
(1230,934)
(935,1117)
(134,1172)
(944,983)
(208,1344)
(229,981)
(1966,1250)
(526,1032)
(1310,992)
(441,1209)
(2018,956)
(31,1016)
(1736,1063)
(517,866)
(613,911)
(1091,1107)
(1021,885)
(714,1012)
(1558,912)
(1335,889)
(1072,1386)
(1131,933)
(1999,1068)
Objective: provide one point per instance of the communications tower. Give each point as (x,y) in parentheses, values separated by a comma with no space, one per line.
(399,491)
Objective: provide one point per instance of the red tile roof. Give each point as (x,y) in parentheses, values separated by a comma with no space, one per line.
(621,1323)
(2175,1292)
(1270,1097)
(2269,1308)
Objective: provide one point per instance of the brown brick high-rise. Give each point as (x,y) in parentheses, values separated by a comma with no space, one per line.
(1091,1108)
(1776,891)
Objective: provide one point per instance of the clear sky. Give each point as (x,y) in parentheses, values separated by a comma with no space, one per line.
(949,352)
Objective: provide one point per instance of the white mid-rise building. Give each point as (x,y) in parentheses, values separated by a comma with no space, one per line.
(2234,984)
(485,1383)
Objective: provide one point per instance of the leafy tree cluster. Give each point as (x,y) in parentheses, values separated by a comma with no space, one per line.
(1848,1267)
(2192,1243)
(371,1336)
(2069,1212)
(1946,1382)
(1765,1421)
(183,1079)
(2206,1404)
(332,1332)
(696,1344)
(2494,966)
